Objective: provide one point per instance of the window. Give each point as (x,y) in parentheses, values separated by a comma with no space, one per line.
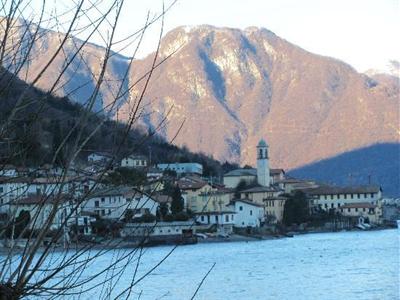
(332,205)
(231,217)
(345,196)
(326,197)
(358,196)
(102,200)
(1,189)
(348,209)
(351,196)
(240,207)
(326,205)
(251,212)
(226,218)
(364,209)
(338,205)
(356,209)
(372,195)
(331,197)
(96,203)
(202,218)
(341,210)
(216,219)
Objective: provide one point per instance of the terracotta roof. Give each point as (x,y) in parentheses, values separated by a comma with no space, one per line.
(38,199)
(250,172)
(215,212)
(275,198)
(260,189)
(333,190)
(247,201)
(359,205)
(188,184)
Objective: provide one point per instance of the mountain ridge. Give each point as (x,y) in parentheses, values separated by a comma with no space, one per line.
(232,87)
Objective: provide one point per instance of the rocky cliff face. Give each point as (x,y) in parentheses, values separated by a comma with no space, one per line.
(231,87)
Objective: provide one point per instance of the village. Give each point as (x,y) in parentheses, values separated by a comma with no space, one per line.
(174,203)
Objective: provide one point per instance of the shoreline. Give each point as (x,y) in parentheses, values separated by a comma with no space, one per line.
(119,244)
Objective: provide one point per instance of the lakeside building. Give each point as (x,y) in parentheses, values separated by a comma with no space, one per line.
(134,161)
(181,232)
(40,207)
(223,220)
(113,203)
(333,197)
(182,168)
(247,213)
(212,200)
(191,187)
(370,213)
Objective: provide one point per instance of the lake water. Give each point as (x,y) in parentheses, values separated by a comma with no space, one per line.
(345,265)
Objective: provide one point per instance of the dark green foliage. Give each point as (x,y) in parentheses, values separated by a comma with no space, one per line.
(20,225)
(128,215)
(126,176)
(146,218)
(177,201)
(42,124)
(162,211)
(169,218)
(296,210)
(181,216)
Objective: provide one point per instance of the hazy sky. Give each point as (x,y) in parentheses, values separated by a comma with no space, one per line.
(363,33)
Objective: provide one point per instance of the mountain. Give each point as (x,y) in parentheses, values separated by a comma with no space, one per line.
(232,87)
(41,121)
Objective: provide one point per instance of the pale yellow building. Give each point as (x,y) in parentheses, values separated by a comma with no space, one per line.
(274,208)
(371,213)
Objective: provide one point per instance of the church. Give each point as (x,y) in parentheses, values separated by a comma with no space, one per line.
(263,175)
(263,188)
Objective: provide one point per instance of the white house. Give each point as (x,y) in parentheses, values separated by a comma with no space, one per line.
(113,203)
(224,220)
(180,168)
(40,207)
(99,157)
(248,213)
(154,173)
(134,161)
(8,171)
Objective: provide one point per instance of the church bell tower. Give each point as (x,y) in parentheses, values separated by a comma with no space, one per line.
(263,175)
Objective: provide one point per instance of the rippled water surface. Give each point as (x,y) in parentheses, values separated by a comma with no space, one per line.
(346,265)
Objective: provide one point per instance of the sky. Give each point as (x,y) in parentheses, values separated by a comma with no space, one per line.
(363,33)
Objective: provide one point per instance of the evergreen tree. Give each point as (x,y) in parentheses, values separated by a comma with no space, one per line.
(296,209)
(177,201)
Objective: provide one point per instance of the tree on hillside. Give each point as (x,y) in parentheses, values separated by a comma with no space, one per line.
(296,209)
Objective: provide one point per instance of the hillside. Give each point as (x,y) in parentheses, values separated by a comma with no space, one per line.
(32,135)
(231,87)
